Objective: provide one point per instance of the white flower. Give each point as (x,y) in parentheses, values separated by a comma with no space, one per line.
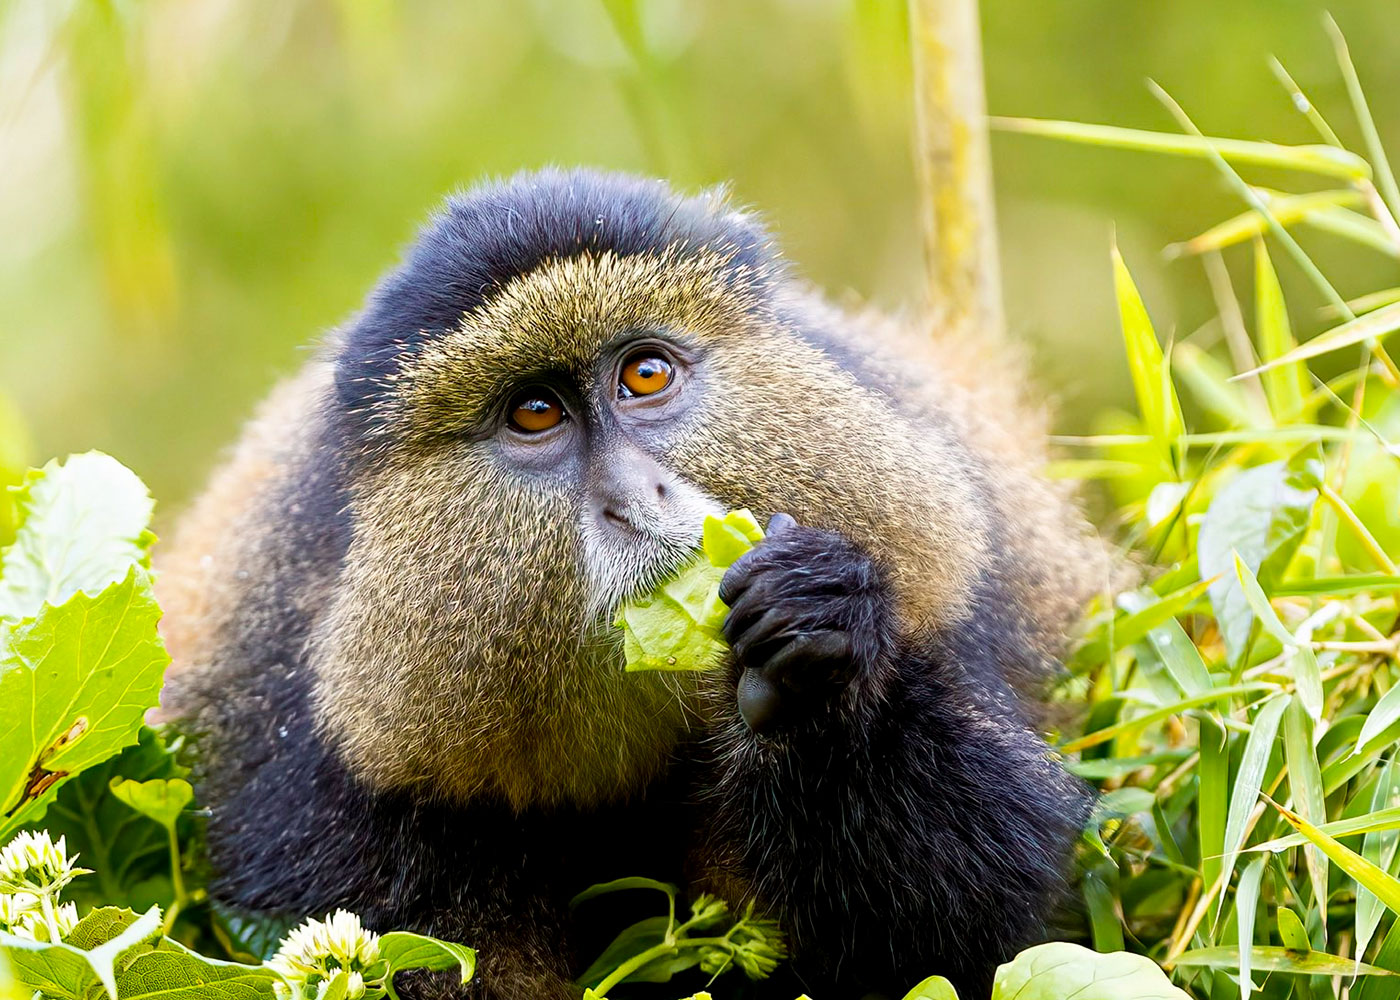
(32,924)
(312,954)
(34,864)
(13,907)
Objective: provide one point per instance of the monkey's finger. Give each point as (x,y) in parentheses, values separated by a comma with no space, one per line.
(748,603)
(773,626)
(779,523)
(811,659)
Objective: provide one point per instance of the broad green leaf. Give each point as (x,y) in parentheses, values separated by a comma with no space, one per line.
(1249,779)
(1246,906)
(402,951)
(1327,160)
(170,971)
(933,988)
(128,853)
(1161,411)
(1285,387)
(1059,970)
(679,625)
(1262,513)
(88,961)
(80,526)
(1384,885)
(1305,781)
(1271,959)
(631,942)
(74,685)
(162,799)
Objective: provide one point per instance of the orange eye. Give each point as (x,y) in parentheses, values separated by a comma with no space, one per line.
(535,411)
(644,374)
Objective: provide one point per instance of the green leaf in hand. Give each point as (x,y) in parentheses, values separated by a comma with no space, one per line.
(678,626)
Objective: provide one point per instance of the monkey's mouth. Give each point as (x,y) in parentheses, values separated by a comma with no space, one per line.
(633,566)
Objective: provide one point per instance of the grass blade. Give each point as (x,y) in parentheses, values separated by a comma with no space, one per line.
(1385,178)
(1157,401)
(1375,324)
(1288,209)
(1327,160)
(1246,906)
(1285,386)
(1380,820)
(1305,781)
(1378,847)
(1249,780)
(1161,714)
(1274,959)
(1384,885)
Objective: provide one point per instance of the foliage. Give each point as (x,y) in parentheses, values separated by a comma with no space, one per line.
(678,625)
(1243,716)
(80,664)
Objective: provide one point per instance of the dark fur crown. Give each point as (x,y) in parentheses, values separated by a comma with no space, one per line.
(499,231)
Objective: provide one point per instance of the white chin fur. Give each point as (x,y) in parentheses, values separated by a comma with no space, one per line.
(622,561)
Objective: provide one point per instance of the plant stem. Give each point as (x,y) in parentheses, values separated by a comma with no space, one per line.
(954,167)
(667,947)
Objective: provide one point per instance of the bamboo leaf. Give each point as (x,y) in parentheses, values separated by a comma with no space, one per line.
(1270,959)
(1157,401)
(1384,885)
(1326,160)
(1285,387)
(1250,778)
(1305,781)
(1375,324)
(1246,906)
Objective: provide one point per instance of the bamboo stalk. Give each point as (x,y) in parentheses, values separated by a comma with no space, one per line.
(954,167)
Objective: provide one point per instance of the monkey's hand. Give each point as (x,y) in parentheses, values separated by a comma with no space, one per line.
(811,625)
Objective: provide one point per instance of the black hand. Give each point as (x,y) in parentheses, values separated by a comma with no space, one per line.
(809,615)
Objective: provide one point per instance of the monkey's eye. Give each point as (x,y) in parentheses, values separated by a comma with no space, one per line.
(644,374)
(535,410)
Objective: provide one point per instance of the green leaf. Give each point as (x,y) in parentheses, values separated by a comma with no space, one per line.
(1384,885)
(1376,324)
(1327,160)
(1269,959)
(75,683)
(1246,905)
(622,884)
(1286,208)
(1305,781)
(162,799)
(80,526)
(129,854)
(1302,659)
(403,951)
(1157,401)
(1290,929)
(1379,848)
(1117,804)
(1285,387)
(1249,779)
(1058,970)
(72,970)
(1262,513)
(170,971)
(630,942)
(679,625)
(933,988)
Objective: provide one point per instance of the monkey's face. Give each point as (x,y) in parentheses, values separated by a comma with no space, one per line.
(557,453)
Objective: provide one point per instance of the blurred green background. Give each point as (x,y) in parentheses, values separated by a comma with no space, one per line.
(190,190)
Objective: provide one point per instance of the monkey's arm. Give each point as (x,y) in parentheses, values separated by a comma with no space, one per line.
(880,790)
